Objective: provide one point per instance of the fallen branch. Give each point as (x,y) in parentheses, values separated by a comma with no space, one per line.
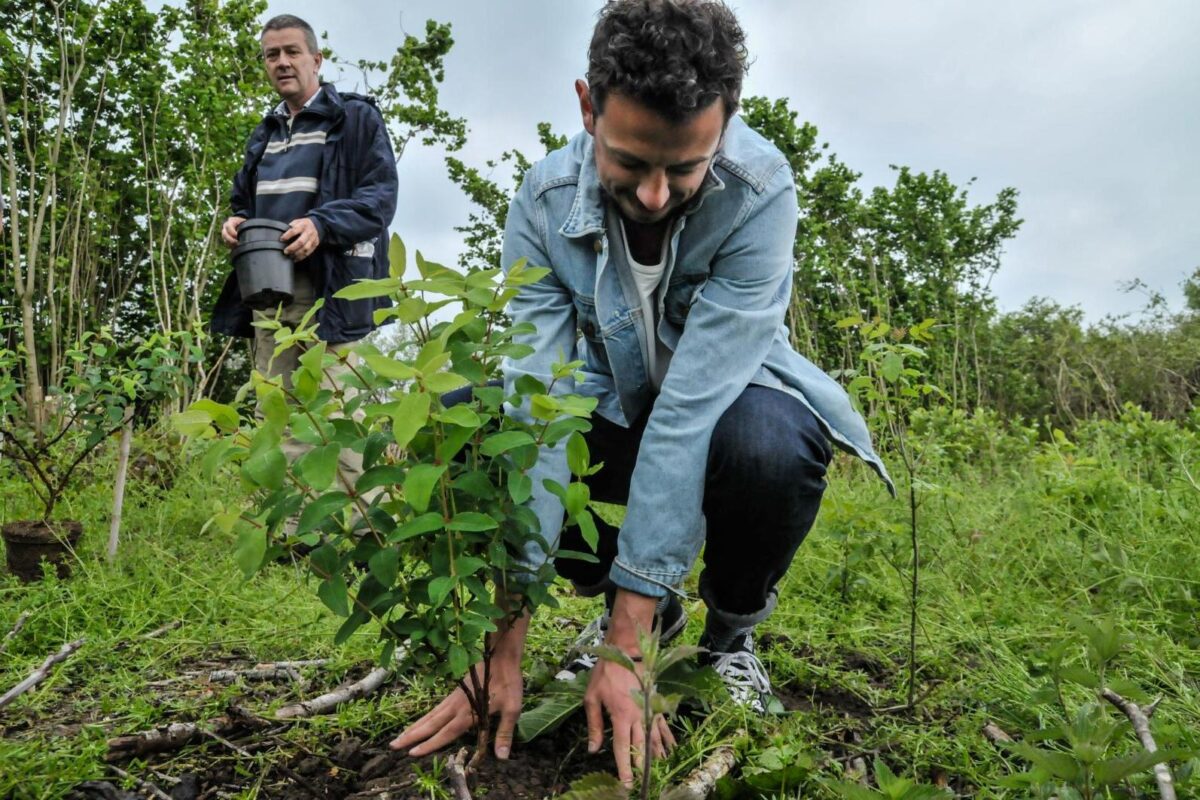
(144,785)
(154,634)
(702,781)
(39,674)
(457,771)
(331,700)
(16,628)
(1141,726)
(995,734)
(179,734)
(254,674)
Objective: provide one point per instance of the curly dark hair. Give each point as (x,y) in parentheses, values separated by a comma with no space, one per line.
(675,56)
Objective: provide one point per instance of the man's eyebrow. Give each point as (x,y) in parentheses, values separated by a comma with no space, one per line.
(619,153)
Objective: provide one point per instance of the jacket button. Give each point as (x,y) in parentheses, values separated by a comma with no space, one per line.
(598,246)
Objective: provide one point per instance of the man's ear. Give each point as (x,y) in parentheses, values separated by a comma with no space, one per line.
(585,106)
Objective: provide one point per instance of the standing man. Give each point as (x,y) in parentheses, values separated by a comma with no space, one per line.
(322,163)
(669,228)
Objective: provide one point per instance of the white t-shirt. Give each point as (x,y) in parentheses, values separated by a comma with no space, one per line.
(648,280)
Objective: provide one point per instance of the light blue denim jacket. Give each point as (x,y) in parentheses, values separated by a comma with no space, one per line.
(729,277)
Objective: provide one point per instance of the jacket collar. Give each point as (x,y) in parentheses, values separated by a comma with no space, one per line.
(587,211)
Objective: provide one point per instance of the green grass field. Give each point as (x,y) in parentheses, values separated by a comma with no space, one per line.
(1024,545)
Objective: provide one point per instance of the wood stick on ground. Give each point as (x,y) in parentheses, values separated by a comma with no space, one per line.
(995,734)
(331,700)
(159,631)
(457,771)
(1141,726)
(177,735)
(702,781)
(16,628)
(39,674)
(255,674)
(144,785)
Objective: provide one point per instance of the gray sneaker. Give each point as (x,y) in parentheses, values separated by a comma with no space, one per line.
(745,677)
(581,657)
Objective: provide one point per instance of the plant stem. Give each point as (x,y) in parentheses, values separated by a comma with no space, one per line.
(916,566)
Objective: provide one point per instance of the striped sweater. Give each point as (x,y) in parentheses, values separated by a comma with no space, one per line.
(286,186)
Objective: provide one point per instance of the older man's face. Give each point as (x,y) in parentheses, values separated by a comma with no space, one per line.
(291,67)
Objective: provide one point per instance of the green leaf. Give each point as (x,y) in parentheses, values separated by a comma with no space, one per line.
(440,588)
(426,523)
(442,382)
(391,368)
(385,566)
(320,510)
(577,497)
(381,475)
(520,486)
(468,565)
(319,466)
(419,483)
(334,595)
(471,521)
(499,443)
(223,416)
(457,657)
(577,454)
(587,529)
(411,414)
(460,415)
(891,367)
(553,709)
(266,468)
(249,551)
(367,288)
(397,257)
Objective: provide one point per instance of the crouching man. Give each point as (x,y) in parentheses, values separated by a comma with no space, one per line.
(669,227)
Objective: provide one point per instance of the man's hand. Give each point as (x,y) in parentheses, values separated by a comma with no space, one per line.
(611,689)
(229,230)
(302,234)
(453,716)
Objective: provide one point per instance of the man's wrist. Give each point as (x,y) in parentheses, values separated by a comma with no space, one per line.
(631,613)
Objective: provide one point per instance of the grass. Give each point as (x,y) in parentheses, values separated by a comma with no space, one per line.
(1015,552)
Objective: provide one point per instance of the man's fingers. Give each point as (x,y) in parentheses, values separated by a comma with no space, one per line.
(637,746)
(667,736)
(443,737)
(426,726)
(595,724)
(504,731)
(621,744)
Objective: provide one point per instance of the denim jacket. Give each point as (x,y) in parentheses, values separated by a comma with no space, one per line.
(729,279)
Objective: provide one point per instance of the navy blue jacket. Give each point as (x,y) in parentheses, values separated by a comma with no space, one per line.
(356,199)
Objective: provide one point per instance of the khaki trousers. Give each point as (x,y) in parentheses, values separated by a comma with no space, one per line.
(284,364)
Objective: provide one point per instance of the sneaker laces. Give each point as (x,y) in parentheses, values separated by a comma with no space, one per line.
(582,655)
(745,677)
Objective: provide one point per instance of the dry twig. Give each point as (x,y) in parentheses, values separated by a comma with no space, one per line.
(457,771)
(701,782)
(16,628)
(178,734)
(1141,726)
(39,674)
(995,734)
(144,785)
(331,700)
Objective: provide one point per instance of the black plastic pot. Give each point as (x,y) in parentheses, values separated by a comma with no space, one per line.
(264,274)
(259,229)
(28,543)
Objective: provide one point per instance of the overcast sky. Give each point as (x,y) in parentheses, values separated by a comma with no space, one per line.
(1091,109)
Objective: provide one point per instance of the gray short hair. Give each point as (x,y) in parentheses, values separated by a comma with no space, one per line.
(283,21)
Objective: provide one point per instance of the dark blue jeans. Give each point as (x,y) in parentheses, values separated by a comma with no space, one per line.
(766,474)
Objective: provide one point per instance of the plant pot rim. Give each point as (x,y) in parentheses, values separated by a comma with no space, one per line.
(250,247)
(264,222)
(39,531)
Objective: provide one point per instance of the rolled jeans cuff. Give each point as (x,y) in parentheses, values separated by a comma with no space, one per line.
(730,619)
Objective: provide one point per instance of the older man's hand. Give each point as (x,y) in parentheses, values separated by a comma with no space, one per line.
(302,234)
(229,230)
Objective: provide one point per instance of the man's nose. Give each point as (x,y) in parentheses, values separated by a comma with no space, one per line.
(653,191)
